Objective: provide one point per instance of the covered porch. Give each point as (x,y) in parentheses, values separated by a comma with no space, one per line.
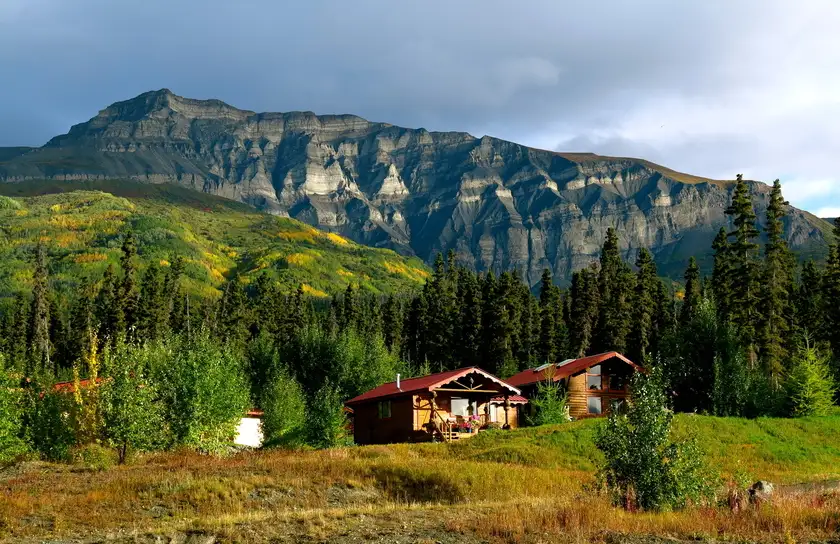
(466,405)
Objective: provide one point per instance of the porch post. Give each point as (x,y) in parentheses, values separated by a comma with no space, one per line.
(507,405)
(434,415)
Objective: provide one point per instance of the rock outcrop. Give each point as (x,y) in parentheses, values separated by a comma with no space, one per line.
(498,204)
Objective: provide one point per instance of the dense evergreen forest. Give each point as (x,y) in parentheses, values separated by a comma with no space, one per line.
(732,343)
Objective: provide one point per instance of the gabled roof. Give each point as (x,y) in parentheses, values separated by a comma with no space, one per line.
(567,368)
(425,383)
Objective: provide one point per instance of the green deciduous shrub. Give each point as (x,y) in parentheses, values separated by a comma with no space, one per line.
(93,456)
(12,445)
(644,466)
(133,418)
(204,390)
(47,425)
(326,423)
(284,407)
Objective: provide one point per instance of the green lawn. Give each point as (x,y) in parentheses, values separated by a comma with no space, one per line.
(780,450)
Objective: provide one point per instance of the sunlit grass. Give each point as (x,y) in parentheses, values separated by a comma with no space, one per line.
(529,485)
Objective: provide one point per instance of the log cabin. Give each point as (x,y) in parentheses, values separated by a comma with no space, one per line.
(446,406)
(596,385)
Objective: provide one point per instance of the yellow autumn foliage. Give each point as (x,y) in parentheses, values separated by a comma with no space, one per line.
(407,271)
(299,259)
(336,239)
(309,290)
(297,236)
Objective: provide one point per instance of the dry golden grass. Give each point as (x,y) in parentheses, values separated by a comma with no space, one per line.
(589,518)
(377,492)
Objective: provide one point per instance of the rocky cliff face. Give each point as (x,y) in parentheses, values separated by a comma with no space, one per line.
(498,204)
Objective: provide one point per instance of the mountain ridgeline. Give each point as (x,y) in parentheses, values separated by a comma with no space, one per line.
(497,204)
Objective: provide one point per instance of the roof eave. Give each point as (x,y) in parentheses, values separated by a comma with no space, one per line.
(470,371)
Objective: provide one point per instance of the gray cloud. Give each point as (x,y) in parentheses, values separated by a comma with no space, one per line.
(713,88)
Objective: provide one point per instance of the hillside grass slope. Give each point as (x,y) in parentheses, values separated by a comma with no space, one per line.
(82,225)
(529,485)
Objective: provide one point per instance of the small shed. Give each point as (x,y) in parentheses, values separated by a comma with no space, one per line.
(249,431)
(446,406)
(596,385)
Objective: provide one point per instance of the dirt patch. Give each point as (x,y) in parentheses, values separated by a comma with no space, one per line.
(346,495)
(415,486)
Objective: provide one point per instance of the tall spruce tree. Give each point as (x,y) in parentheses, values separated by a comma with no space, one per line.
(82,323)
(584,305)
(392,324)
(810,312)
(109,311)
(349,309)
(417,320)
(831,296)
(129,294)
(664,319)
(232,313)
(468,345)
(38,336)
(549,301)
(777,288)
(153,305)
(615,284)
(644,307)
(496,349)
(722,274)
(527,321)
(693,294)
(441,315)
(17,327)
(59,333)
(744,284)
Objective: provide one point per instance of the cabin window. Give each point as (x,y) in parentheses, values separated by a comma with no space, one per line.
(616,405)
(594,380)
(384,409)
(594,405)
(463,407)
(618,382)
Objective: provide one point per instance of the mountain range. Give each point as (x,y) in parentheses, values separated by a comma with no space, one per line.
(497,204)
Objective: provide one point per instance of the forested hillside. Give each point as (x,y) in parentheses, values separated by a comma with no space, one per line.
(81,226)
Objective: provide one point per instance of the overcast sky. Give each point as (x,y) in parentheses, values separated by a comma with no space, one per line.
(709,87)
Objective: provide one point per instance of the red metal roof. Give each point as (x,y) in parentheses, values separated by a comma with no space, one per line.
(562,371)
(424,383)
(70,387)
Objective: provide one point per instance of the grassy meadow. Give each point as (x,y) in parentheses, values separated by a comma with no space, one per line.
(528,485)
(82,225)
